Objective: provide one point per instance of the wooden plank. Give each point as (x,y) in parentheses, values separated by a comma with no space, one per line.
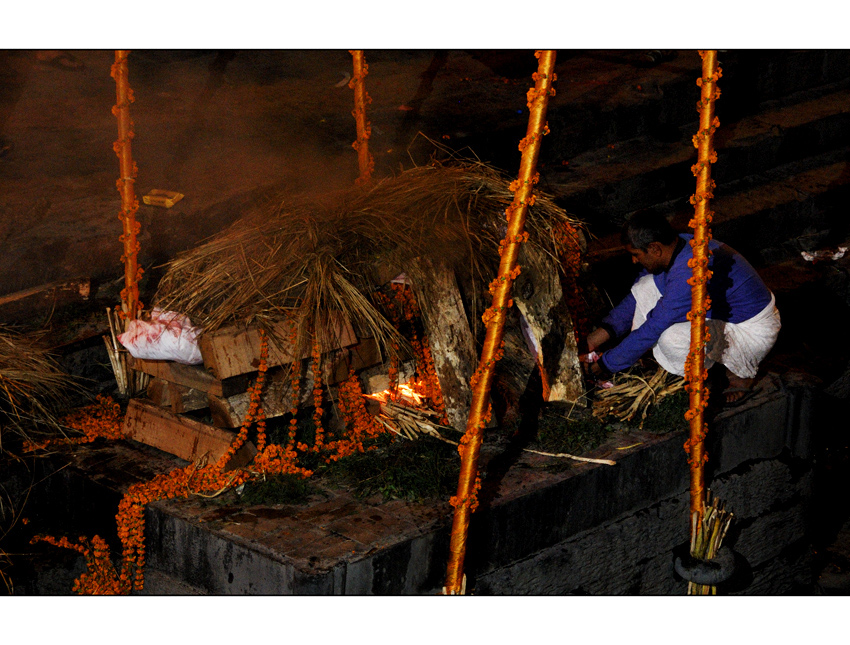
(159,393)
(235,350)
(181,436)
(185,399)
(229,412)
(364,354)
(24,304)
(449,335)
(195,377)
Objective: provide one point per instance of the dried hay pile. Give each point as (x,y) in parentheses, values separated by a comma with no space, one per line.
(317,258)
(633,395)
(32,385)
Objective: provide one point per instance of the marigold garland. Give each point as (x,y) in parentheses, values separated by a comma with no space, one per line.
(700,223)
(317,395)
(125,185)
(566,239)
(102,577)
(362,100)
(427,384)
(100,419)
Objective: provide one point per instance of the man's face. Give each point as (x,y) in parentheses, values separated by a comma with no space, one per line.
(651,259)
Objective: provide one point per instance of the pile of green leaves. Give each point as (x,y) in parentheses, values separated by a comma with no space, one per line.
(276,489)
(669,415)
(418,470)
(574,432)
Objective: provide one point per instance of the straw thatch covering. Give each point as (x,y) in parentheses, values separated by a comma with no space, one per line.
(32,385)
(323,256)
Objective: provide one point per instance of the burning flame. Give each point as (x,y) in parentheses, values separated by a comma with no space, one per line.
(405,392)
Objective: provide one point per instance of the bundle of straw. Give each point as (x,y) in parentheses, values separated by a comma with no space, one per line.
(411,422)
(707,536)
(32,385)
(633,395)
(312,259)
(130,382)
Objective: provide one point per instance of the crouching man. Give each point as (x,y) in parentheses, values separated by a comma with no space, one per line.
(743,320)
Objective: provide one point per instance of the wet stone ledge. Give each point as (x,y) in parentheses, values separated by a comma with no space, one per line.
(589,529)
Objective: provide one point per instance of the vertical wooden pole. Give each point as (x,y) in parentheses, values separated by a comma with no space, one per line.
(126,187)
(364,129)
(695,372)
(465,501)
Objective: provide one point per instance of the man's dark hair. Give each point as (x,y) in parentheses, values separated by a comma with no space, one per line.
(645,227)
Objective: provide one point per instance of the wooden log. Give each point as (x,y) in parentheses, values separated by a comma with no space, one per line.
(158,393)
(195,377)
(449,335)
(17,306)
(186,438)
(363,355)
(276,400)
(232,351)
(548,326)
(185,399)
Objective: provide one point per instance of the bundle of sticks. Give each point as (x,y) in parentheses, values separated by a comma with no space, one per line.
(707,536)
(130,382)
(410,422)
(633,395)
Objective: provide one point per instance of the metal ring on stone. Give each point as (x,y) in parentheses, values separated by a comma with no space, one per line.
(707,572)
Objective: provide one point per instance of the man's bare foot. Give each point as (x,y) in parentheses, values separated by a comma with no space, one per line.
(738,387)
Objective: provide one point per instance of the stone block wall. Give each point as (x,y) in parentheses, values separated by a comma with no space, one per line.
(764,473)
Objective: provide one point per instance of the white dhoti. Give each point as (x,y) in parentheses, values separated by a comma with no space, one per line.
(741,347)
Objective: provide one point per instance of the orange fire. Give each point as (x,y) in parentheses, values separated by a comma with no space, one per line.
(404,392)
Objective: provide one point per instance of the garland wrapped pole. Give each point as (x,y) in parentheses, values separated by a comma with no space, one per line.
(129,381)
(465,501)
(695,373)
(364,129)
(708,519)
(130,304)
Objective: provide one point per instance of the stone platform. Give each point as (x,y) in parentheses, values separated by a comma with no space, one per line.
(590,529)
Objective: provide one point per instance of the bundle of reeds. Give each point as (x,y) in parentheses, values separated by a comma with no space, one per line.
(410,422)
(633,395)
(310,259)
(32,385)
(130,382)
(707,536)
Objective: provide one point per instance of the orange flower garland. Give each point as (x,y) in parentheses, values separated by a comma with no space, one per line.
(428,384)
(695,372)
(296,390)
(101,419)
(566,242)
(359,423)
(102,576)
(125,184)
(317,395)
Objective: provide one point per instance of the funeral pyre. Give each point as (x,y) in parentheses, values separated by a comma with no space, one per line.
(373,280)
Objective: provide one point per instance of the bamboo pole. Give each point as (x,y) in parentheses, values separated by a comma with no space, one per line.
(465,501)
(130,304)
(364,130)
(700,303)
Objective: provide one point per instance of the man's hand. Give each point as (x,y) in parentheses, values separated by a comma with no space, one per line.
(596,338)
(598,372)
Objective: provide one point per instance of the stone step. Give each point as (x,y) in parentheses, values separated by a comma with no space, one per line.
(769,217)
(604,98)
(602,186)
(339,544)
